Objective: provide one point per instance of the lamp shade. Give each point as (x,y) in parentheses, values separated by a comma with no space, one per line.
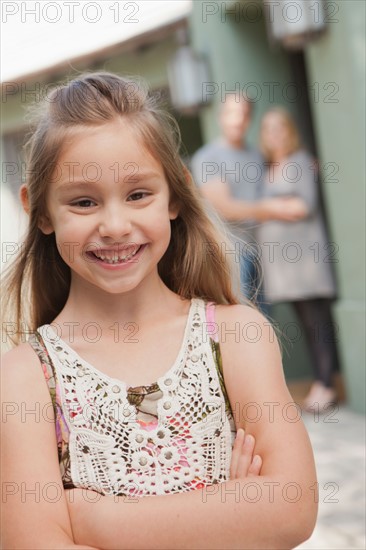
(187,72)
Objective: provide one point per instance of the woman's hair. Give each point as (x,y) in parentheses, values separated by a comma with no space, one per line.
(294,140)
(197,262)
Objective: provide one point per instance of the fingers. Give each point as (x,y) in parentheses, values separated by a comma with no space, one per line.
(255,467)
(246,456)
(238,444)
(243,464)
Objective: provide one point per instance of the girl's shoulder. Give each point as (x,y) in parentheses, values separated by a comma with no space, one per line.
(244,312)
(20,352)
(21,368)
(16,352)
(243,330)
(241,325)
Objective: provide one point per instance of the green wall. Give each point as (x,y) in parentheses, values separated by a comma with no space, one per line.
(238,52)
(338,59)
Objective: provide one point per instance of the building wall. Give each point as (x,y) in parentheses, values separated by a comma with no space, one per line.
(337,63)
(240,60)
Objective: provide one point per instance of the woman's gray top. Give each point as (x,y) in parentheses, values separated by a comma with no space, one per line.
(297,257)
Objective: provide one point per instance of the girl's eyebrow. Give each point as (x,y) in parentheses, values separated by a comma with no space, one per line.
(130,178)
(65,186)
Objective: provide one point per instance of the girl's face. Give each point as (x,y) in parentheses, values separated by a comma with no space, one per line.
(275,133)
(109,206)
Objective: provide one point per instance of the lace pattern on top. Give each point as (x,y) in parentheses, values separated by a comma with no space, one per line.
(172,436)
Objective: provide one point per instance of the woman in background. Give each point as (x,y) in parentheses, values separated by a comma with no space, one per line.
(297,256)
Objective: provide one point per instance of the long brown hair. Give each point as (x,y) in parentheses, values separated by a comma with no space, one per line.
(196,263)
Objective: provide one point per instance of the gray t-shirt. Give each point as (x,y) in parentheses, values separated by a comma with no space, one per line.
(241,169)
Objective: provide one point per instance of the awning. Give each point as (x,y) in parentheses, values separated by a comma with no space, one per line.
(41,36)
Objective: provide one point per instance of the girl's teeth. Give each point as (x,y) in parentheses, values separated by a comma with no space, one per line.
(117,260)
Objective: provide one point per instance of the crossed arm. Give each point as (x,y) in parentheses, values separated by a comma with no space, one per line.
(218,195)
(246,511)
(159,524)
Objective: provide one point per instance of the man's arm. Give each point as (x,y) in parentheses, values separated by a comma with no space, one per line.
(217,193)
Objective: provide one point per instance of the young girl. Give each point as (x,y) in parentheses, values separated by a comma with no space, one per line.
(139,353)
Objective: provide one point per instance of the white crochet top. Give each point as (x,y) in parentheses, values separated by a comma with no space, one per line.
(172,436)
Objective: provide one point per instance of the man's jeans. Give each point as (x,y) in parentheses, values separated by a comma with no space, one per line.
(250,282)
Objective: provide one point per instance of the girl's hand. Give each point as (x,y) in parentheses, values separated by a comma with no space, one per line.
(243,464)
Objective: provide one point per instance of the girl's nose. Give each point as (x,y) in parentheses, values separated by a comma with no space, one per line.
(115,223)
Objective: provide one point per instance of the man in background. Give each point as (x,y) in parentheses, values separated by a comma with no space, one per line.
(229,176)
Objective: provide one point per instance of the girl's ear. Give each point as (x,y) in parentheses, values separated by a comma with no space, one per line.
(173,209)
(45,224)
(23,194)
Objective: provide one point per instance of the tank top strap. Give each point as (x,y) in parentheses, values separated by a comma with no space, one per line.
(36,341)
(38,345)
(212,333)
(210,319)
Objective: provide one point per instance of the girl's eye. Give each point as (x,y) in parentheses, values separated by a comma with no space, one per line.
(137,196)
(83,203)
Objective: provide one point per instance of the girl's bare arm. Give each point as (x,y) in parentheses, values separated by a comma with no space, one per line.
(34,511)
(241,513)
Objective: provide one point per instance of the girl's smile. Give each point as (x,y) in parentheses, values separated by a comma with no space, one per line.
(117,258)
(111,213)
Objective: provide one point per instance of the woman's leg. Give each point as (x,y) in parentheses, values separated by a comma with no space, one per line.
(316,318)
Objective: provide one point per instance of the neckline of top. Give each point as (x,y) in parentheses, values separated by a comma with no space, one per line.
(129,389)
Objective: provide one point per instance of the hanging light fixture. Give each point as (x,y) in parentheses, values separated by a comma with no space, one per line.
(187,72)
(295,23)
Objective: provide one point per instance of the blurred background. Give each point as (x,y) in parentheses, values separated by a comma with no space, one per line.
(308,56)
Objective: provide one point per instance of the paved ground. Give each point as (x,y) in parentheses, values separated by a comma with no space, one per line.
(338,441)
